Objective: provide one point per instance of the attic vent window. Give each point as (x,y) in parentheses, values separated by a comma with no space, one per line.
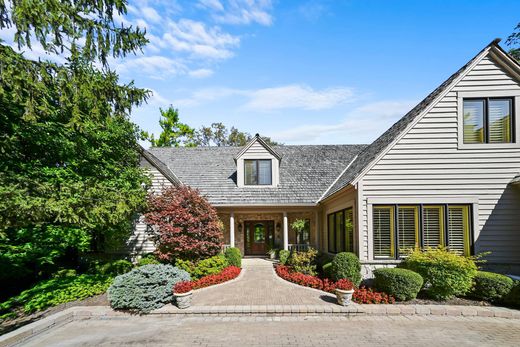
(258,172)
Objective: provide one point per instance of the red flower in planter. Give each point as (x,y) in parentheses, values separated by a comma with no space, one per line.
(183,287)
(344,284)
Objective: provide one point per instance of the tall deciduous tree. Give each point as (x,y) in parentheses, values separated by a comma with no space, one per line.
(174,133)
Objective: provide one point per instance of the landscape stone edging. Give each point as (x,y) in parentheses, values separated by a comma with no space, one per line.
(105,312)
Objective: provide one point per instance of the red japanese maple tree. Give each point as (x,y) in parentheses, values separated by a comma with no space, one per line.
(187,226)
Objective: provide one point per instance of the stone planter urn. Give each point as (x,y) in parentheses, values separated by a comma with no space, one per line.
(183,300)
(344,297)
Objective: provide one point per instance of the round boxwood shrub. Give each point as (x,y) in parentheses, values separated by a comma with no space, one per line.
(346,265)
(402,284)
(512,299)
(145,288)
(148,260)
(233,256)
(327,270)
(491,286)
(284,256)
(446,274)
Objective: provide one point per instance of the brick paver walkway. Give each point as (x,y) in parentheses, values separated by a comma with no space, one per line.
(283,331)
(259,285)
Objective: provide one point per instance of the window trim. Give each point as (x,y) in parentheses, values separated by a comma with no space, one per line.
(492,94)
(469,246)
(485,121)
(257,161)
(333,213)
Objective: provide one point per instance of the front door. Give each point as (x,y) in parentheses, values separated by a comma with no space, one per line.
(259,237)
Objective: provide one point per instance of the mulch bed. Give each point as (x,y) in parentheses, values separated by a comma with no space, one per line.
(22,319)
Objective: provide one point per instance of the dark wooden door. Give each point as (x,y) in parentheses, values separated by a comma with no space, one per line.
(259,236)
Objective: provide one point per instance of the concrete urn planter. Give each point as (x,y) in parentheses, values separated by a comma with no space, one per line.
(183,300)
(344,297)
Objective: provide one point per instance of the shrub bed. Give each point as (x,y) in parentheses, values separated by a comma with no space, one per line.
(491,286)
(209,266)
(368,296)
(360,296)
(145,288)
(400,283)
(513,298)
(446,274)
(227,274)
(54,292)
(304,262)
(233,257)
(346,265)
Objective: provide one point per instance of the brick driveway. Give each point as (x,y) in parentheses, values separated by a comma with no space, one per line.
(281,331)
(259,285)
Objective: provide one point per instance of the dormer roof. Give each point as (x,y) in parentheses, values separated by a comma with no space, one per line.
(258,139)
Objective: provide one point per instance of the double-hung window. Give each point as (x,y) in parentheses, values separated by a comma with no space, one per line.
(488,120)
(340,231)
(397,229)
(258,172)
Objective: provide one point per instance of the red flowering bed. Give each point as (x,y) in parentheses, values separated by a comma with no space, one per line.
(368,296)
(225,275)
(360,296)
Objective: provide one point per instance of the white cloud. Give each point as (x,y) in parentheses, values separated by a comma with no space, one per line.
(240,11)
(364,122)
(201,73)
(157,66)
(157,99)
(293,96)
(298,97)
(195,38)
(151,14)
(212,4)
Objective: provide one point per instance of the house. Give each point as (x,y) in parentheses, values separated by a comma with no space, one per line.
(447,173)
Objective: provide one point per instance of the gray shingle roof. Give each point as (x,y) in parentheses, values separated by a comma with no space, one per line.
(305,172)
(373,150)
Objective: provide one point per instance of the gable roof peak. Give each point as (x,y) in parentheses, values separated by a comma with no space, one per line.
(258,138)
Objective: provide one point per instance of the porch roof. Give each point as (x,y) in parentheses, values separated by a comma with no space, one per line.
(305,172)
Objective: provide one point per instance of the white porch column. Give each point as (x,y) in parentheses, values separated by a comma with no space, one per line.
(232,229)
(285,232)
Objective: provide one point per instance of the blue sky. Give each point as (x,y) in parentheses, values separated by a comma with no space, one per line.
(304,72)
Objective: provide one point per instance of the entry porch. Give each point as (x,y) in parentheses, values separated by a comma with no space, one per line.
(256,231)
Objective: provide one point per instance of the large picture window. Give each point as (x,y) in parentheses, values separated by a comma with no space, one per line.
(399,228)
(340,231)
(258,172)
(488,120)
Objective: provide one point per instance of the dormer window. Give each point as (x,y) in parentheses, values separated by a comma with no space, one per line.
(258,172)
(258,165)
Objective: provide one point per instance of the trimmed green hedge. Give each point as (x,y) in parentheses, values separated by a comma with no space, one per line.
(400,283)
(491,286)
(233,256)
(346,265)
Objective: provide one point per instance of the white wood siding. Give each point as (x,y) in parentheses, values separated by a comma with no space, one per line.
(139,242)
(427,162)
